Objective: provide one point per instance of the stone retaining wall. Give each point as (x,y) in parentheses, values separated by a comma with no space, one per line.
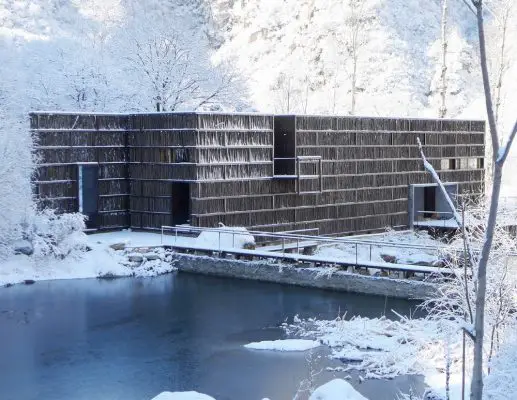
(308,277)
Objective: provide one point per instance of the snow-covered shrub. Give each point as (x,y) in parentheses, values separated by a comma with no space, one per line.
(502,382)
(56,235)
(226,237)
(15,170)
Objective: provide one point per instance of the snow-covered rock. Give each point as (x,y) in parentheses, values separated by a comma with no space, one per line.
(23,247)
(337,389)
(284,345)
(182,396)
(226,237)
(118,246)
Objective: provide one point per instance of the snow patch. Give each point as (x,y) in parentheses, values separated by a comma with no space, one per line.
(182,396)
(336,389)
(222,237)
(284,345)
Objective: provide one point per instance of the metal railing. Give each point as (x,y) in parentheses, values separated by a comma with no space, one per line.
(292,241)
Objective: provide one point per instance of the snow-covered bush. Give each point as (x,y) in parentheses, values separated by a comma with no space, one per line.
(56,235)
(502,382)
(15,170)
(456,295)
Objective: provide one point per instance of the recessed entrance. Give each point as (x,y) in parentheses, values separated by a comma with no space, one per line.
(285,145)
(88,193)
(428,207)
(180,203)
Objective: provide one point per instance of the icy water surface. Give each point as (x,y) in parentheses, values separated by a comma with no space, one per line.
(133,338)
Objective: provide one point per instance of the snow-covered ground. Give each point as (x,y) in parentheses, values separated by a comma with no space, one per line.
(408,248)
(103,261)
(146,260)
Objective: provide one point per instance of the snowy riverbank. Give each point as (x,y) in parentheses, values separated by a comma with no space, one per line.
(110,255)
(128,253)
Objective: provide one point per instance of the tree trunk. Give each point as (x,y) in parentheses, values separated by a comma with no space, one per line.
(443,89)
(502,64)
(476,388)
(486,82)
(354,78)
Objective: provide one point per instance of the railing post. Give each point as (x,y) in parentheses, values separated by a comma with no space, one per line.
(219,241)
(161,237)
(356,256)
(370,252)
(175,235)
(233,239)
(298,245)
(283,245)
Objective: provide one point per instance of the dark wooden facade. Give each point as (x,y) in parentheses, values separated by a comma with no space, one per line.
(274,173)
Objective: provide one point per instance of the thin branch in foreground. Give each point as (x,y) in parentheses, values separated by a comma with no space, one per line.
(504,150)
(434,174)
(469,6)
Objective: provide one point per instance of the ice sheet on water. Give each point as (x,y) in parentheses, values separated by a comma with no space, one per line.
(284,345)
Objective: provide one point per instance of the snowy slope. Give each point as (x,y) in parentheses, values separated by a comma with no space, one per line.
(306,42)
(293,56)
(74,53)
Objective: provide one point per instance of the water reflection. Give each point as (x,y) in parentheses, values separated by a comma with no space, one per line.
(133,338)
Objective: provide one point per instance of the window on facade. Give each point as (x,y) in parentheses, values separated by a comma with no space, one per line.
(464,163)
(480,163)
(448,164)
(472,163)
(179,155)
(165,155)
(429,207)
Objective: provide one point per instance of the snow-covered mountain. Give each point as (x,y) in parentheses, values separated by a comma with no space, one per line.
(367,57)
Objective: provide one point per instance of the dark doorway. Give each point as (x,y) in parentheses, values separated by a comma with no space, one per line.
(180,203)
(88,196)
(430,201)
(285,145)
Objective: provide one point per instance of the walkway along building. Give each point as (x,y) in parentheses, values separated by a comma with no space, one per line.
(266,172)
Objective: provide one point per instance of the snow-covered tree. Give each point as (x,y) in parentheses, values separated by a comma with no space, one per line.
(15,171)
(502,31)
(452,84)
(442,112)
(481,264)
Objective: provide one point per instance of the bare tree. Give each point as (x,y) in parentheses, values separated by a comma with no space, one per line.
(502,13)
(356,40)
(442,112)
(175,79)
(292,92)
(500,154)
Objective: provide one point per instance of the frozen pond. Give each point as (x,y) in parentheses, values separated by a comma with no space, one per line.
(133,338)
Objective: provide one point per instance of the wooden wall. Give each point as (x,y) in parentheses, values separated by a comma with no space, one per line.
(227,160)
(63,140)
(367,166)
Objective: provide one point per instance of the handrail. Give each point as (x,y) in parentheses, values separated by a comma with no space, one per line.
(434,212)
(289,236)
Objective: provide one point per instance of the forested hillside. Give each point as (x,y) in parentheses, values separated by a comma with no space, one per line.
(366,57)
